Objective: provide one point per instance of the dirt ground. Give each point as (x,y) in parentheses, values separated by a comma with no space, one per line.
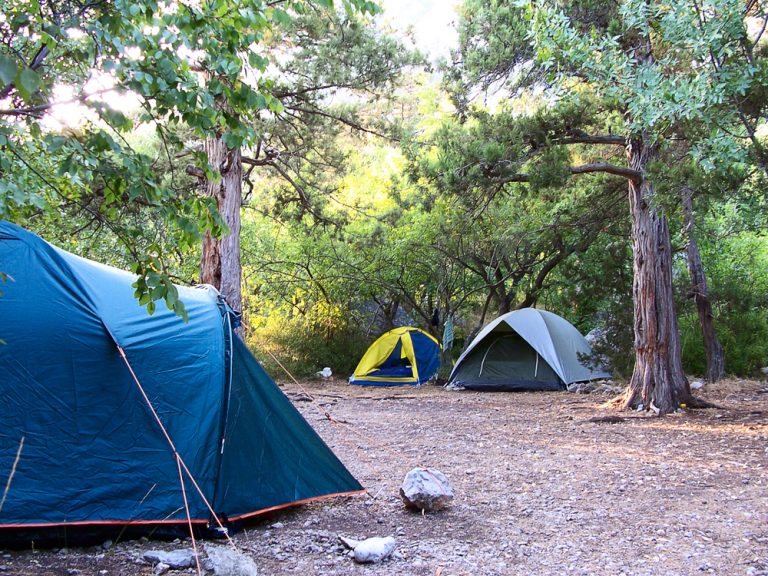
(540,489)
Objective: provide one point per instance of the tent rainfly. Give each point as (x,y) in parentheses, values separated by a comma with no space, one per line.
(106,409)
(401,356)
(528,349)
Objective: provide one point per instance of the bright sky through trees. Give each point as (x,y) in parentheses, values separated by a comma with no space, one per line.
(431,24)
(432,21)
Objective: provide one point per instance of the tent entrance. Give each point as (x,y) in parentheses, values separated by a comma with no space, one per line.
(397,365)
(505,361)
(401,356)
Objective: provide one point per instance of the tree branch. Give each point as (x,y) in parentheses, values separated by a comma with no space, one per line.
(623,171)
(37,111)
(345,121)
(584,138)
(303,198)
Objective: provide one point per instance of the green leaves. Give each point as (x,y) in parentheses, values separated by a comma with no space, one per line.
(8,70)
(153,285)
(26,80)
(197,70)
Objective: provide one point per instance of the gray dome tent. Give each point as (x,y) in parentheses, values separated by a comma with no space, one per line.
(528,349)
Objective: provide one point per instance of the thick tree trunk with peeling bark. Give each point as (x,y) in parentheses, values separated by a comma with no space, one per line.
(220,264)
(658,381)
(700,293)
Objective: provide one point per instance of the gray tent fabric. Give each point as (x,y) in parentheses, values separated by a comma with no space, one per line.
(528,349)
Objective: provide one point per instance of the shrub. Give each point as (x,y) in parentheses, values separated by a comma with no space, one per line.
(743,335)
(307,342)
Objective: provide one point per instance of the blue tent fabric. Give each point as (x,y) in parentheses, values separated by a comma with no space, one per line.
(92,452)
(427,353)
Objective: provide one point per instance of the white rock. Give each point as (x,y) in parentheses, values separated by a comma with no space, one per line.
(374,549)
(764,370)
(227,561)
(176,559)
(697,385)
(325,373)
(161,568)
(426,489)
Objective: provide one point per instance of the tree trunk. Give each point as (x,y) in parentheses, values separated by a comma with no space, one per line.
(700,293)
(220,264)
(389,313)
(658,381)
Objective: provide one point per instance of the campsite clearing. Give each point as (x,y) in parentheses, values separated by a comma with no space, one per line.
(543,485)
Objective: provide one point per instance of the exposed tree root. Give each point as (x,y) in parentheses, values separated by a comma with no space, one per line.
(692,403)
(616,403)
(699,404)
(606,419)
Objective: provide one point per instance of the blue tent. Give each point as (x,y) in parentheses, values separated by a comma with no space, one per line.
(401,356)
(99,399)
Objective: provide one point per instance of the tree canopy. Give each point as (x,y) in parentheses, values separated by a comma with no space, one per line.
(178,60)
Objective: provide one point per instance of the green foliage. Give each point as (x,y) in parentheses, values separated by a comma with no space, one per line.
(304,343)
(593,290)
(615,345)
(743,335)
(192,65)
(734,250)
(682,78)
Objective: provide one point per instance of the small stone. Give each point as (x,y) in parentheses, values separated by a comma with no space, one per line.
(226,561)
(374,549)
(107,545)
(277,525)
(161,568)
(176,559)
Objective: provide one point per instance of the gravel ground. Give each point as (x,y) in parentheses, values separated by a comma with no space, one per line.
(541,489)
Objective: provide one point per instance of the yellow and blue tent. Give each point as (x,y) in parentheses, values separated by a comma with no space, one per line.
(399,357)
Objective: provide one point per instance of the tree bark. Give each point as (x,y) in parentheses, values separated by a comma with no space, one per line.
(658,381)
(220,263)
(700,293)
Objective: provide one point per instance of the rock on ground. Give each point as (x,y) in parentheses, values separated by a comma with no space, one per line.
(175,559)
(374,549)
(426,489)
(227,561)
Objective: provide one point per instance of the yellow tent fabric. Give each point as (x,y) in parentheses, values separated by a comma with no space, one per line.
(382,349)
